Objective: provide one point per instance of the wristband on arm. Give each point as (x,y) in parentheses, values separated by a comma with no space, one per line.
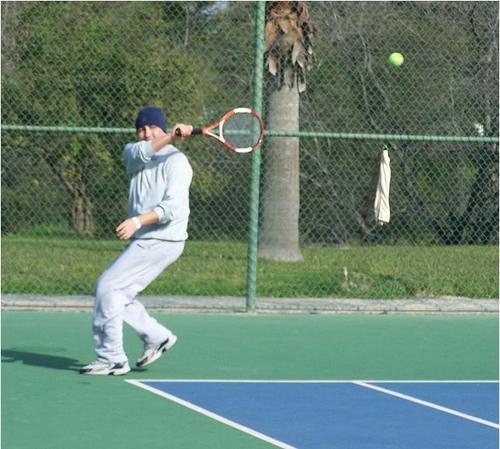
(137,223)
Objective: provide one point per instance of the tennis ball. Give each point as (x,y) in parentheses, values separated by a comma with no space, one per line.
(396,59)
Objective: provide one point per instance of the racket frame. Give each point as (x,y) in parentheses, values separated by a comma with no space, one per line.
(207,130)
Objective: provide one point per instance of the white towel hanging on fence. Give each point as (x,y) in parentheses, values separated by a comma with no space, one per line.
(381,207)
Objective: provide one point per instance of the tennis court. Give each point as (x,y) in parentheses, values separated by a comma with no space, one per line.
(323,414)
(256,381)
(287,233)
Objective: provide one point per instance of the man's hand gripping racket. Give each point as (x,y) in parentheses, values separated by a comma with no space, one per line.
(240,130)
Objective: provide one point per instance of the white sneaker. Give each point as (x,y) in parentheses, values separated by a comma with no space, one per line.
(98,368)
(153,353)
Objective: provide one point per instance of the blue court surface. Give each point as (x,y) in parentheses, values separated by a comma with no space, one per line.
(344,414)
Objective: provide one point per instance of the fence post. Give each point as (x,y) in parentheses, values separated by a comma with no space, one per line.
(255,177)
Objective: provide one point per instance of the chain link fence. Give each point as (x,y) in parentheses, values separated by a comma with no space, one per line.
(74,75)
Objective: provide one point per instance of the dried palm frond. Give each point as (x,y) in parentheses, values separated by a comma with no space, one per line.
(288,42)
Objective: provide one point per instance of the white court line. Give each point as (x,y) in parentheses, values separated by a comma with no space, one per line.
(311,381)
(428,404)
(210,414)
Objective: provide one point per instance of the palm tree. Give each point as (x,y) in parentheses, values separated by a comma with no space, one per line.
(288,50)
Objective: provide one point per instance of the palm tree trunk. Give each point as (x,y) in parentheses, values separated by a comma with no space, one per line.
(279,235)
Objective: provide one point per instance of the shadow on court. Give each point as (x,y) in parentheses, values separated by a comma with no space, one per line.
(43,360)
(46,360)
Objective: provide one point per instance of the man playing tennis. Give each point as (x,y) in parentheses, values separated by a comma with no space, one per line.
(158,210)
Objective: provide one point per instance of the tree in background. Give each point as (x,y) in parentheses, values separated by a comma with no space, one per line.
(441,192)
(288,49)
(82,64)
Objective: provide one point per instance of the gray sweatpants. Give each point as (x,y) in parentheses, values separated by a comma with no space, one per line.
(116,297)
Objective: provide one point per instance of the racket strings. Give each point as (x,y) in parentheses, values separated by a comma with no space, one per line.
(242,130)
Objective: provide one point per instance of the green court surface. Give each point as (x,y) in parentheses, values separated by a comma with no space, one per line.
(46,404)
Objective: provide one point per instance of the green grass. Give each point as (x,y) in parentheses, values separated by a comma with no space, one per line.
(69,266)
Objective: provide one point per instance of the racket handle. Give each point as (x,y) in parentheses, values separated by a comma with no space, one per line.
(196,131)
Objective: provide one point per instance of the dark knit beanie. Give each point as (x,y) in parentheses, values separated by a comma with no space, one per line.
(151,115)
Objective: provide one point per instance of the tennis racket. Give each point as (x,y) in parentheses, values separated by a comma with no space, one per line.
(240,130)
